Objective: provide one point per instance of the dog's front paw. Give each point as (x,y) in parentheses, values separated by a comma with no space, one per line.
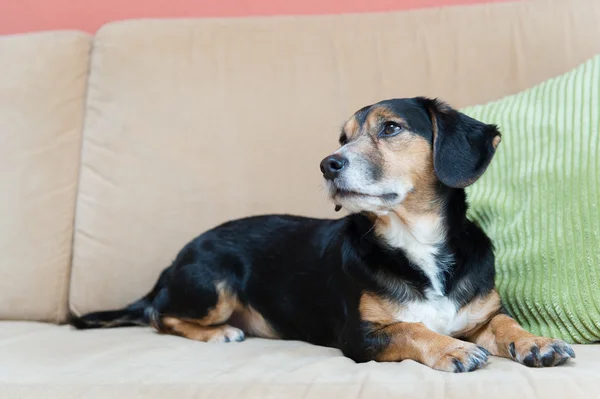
(227,334)
(540,351)
(462,358)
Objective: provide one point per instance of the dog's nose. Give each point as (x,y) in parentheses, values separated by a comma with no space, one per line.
(332,165)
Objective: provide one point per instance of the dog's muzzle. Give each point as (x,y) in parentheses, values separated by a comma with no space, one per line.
(331,167)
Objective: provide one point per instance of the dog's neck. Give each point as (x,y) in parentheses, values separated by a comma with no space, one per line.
(421,227)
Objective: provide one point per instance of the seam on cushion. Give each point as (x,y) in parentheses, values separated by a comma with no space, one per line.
(68,273)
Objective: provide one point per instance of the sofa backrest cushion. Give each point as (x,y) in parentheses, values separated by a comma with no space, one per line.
(191,123)
(42,90)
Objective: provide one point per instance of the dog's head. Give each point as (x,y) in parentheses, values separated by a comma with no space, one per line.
(402,147)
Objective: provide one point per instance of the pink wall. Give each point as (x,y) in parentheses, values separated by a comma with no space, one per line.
(18,16)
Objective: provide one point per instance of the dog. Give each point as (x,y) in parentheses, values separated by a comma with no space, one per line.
(405,275)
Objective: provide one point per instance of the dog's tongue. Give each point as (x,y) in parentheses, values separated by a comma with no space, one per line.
(337,208)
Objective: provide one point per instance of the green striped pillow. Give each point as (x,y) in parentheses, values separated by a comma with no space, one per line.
(540,202)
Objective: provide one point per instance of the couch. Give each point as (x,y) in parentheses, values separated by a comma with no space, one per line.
(118,148)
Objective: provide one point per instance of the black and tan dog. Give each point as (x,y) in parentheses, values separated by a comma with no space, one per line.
(404,276)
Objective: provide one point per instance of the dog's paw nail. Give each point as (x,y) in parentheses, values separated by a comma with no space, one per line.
(487,353)
(533,358)
(548,359)
(240,337)
(461,359)
(541,352)
(458,366)
(512,350)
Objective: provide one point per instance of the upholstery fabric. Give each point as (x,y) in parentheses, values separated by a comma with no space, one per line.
(43,81)
(540,203)
(46,361)
(190,123)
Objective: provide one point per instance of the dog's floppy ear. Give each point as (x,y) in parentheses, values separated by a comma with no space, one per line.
(462,146)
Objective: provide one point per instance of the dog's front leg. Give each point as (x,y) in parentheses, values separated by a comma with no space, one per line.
(401,341)
(503,336)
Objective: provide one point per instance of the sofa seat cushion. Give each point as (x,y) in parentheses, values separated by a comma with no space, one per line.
(42,360)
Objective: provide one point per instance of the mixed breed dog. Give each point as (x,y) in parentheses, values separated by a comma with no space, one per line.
(404,276)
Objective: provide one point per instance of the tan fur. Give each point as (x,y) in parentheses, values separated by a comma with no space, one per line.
(410,340)
(496,141)
(377,310)
(497,335)
(212,327)
(415,341)
(252,322)
(197,332)
(378,115)
(416,225)
(351,128)
(225,306)
(407,156)
(479,312)
(503,336)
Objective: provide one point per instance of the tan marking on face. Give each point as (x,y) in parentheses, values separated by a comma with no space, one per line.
(406,156)
(414,161)
(410,157)
(251,321)
(405,160)
(351,128)
(372,124)
(378,115)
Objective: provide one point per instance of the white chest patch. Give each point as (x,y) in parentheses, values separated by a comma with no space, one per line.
(421,243)
(439,315)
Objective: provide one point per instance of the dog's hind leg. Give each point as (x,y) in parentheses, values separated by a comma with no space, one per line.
(197,307)
(220,333)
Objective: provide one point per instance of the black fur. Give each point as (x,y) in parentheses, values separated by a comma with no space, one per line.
(463,146)
(306,276)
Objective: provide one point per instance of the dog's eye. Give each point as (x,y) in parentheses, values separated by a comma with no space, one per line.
(343,139)
(391,129)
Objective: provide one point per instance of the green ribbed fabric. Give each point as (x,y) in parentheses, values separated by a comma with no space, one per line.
(540,202)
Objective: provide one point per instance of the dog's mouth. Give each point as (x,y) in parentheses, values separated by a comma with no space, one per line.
(343,194)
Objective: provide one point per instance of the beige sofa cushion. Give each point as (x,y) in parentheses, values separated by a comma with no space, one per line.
(46,361)
(42,88)
(191,123)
